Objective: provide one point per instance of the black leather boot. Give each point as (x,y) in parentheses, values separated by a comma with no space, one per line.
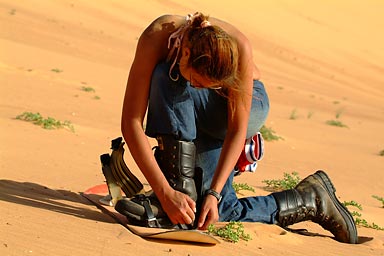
(176,159)
(314,199)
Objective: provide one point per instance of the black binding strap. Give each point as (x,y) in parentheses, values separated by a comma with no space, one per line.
(151,219)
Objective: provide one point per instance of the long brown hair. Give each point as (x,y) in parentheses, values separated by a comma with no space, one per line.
(214,54)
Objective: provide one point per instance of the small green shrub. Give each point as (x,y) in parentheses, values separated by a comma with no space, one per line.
(357,216)
(293,115)
(338,113)
(353,203)
(269,134)
(87,89)
(364,223)
(46,123)
(56,70)
(289,181)
(336,123)
(381,153)
(232,232)
(242,186)
(90,89)
(381,199)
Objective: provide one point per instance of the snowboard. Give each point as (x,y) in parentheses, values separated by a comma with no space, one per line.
(97,196)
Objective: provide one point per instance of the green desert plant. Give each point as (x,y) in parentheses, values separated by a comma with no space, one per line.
(46,123)
(289,181)
(269,134)
(338,113)
(353,203)
(90,89)
(381,153)
(381,199)
(293,115)
(87,89)
(310,114)
(357,216)
(242,186)
(364,223)
(56,70)
(231,232)
(336,123)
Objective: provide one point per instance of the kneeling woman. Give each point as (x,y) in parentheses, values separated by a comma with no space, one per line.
(197,80)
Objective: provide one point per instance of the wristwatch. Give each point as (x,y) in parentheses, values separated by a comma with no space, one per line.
(214,193)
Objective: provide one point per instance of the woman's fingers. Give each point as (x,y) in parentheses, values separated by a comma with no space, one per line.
(181,210)
(202,218)
(189,211)
(209,213)
(192,205)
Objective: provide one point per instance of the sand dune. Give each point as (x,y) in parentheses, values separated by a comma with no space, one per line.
(319,61)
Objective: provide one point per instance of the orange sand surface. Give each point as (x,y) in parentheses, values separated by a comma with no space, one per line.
(320,60)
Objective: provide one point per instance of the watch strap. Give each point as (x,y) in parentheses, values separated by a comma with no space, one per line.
(214,193)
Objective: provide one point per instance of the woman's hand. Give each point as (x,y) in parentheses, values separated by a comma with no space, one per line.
(209,212)
(179,207)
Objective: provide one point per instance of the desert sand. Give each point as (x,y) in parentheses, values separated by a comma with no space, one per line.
(320,60)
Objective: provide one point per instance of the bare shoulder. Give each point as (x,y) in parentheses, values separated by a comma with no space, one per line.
(165,24)
(153,41)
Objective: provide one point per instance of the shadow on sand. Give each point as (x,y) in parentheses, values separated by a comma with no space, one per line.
(60,201)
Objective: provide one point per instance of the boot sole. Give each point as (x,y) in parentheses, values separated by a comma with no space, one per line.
(325,180)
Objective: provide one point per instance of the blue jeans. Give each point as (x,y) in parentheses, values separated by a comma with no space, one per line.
(200,115)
